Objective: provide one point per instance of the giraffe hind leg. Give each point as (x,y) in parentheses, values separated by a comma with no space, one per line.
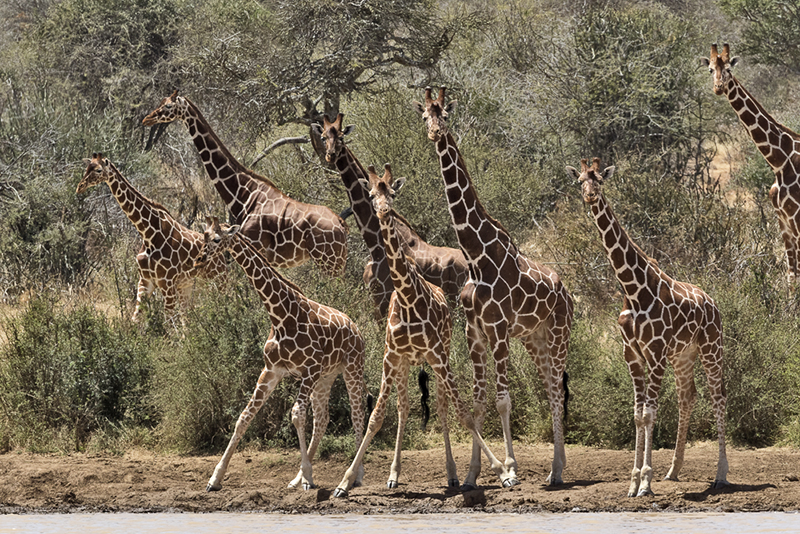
(319,407)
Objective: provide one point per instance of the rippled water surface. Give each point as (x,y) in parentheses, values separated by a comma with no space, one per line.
(618,523)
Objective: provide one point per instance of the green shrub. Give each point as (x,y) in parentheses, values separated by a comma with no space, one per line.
(70,370)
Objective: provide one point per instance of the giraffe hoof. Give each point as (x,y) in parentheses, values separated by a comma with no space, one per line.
(465,487)
(719,484)
(307,486)
(213,487)
(452,483)
(645,493)
(509,482)
(392,484)
(672,478)
(340,493)
(553,481)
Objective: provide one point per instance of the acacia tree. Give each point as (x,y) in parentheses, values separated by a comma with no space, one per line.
(290,61)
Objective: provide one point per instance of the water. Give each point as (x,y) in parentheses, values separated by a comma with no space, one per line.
(545,523)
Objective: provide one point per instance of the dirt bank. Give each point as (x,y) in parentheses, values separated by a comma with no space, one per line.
(595,480)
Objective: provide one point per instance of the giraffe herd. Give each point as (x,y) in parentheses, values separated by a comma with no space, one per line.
(503,293)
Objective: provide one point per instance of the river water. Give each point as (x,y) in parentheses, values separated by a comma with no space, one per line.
(482,523)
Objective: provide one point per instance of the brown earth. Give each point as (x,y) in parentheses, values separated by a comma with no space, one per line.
(595,480)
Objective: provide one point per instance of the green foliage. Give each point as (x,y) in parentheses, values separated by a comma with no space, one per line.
(69,370)
(770,32)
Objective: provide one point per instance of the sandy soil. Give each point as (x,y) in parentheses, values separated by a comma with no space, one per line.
(595,480)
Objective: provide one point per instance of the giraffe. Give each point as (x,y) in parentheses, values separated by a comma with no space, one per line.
(779,145)
(507,296)
(169,249)
(308,341)
(418,330)
(663,322)
(442,266)
(290,232)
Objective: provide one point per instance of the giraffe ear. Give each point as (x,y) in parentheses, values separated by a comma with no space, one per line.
(365,184)
(316,128)
(232,230)
(87,161)
(398,184)
(703,61)
(449,108)
(419,108)
(348,129)
(573,173)
(734,61)
(608,172)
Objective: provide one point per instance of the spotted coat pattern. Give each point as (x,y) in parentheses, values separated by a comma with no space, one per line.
(169,249)
(289,232)
(442,266)
(663,322)
(507,296)
(779,145)
(308,341)
(418,330)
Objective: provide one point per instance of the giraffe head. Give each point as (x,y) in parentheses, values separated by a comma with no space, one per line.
(720,65)
(332,135)
(98,170)
(381,190)
(171,108)
(434,113)
(217,238)
(591,178)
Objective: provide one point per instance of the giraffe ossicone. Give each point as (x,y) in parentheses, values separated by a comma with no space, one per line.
(779,145)
(169,249)
(662,321)
(289,231)
(308,341)
(506,296)
(418,331)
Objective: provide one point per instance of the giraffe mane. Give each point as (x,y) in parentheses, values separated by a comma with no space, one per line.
(238,167)
(152,202)
(252,248)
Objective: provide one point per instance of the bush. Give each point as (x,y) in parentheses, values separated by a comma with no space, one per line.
(69,371)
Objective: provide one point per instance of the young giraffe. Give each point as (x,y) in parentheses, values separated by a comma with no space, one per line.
(307,340)
(779,145)
(290,232)
(418,330)
(662,321)
(169,249)
(507,296)
(442,266)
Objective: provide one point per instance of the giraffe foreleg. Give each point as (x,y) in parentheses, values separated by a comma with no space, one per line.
(299,421)
(503,403)
(648,421)
(441,409)
(319,407)
(636,368)
(402,418)
(477,351)
(144,289)
(264,387)
(390,368)
(687,396)
(354,381)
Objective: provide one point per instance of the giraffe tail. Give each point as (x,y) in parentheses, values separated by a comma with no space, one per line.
(347,212)
(423,378)
(566,395)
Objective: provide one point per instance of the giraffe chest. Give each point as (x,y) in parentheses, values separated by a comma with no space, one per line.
(785,198)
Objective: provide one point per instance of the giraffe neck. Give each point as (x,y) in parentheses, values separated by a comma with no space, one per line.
(228,175)
(351,171)
(629,262)
(472,224)
(405,278)
(775,141)
(142,212)
(282,298)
